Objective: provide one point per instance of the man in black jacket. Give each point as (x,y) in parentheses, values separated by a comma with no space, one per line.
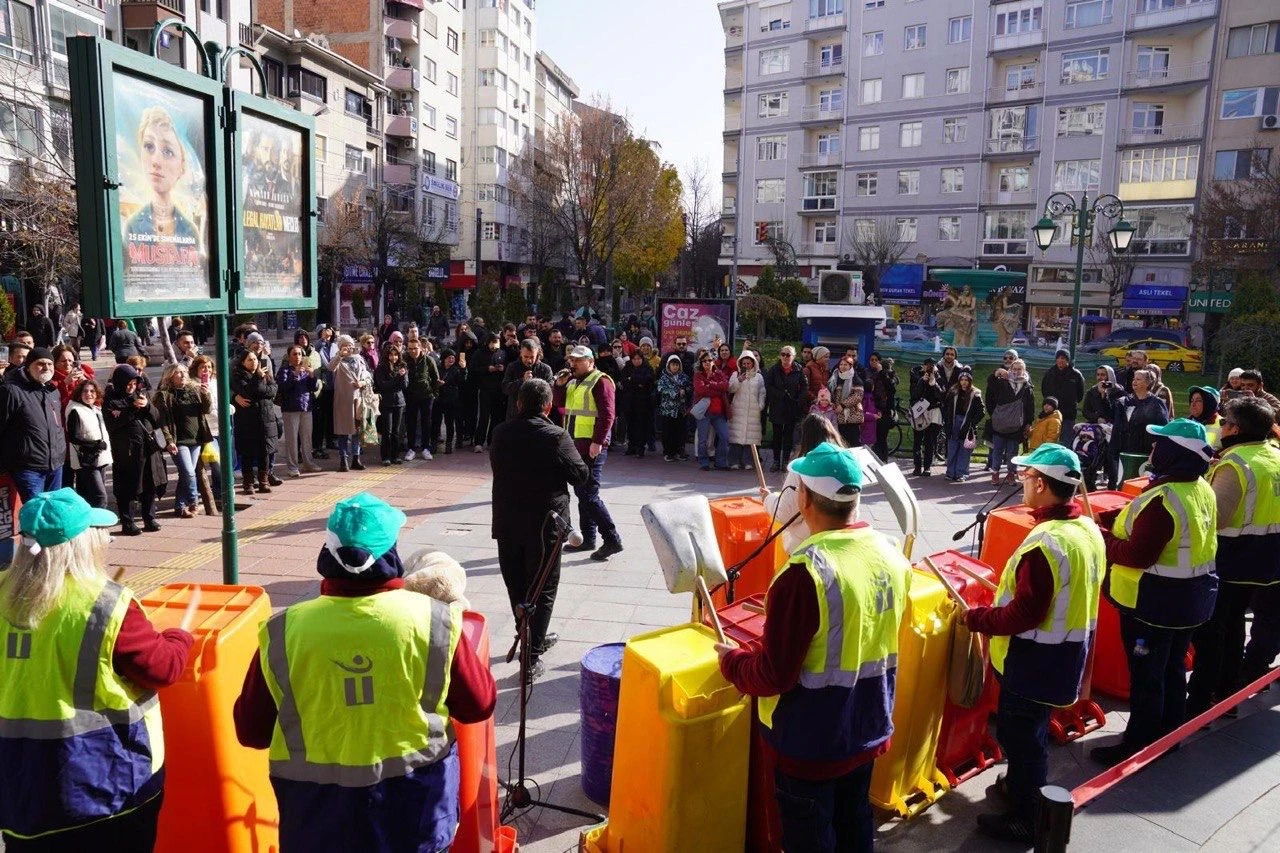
(534,462)
(785,388)
(33,445)
(1067,384)
(42,328)
(528,366)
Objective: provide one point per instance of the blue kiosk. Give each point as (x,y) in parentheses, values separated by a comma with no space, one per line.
(839,326)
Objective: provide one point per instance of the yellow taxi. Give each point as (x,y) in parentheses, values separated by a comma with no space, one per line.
(1164,354)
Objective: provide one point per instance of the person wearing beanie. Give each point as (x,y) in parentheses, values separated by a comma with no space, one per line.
(1039,642)
(80,725)
(1162,551)
(352,379)
(1048,427)
(355,693)
(1233,383)
(1202,407)
(33,442)
(1065,383)
(817,372)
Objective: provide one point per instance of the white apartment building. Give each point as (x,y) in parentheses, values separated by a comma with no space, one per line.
(553,100)
(950,123)
(225,22)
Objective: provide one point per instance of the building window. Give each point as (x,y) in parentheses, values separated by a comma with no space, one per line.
(1253,40)
(831,56)
(907,228)
(872,91)
(1154,165)
(910,134)
(869,138)
(429,162)
(908,182)
(819,191)
(321,148)
(1148,117)
(953,179)
(913,37)
(864,229)
(1087,13)
(60,131)
(824,232)
(1012,179)
(775,60)
(770,191)
(955,129)
(867,183)
(274,71)
(451,169)
(17,31)
(873,4)
(428,115)
(451,40)
(429,70)
(451,127)
(776,25)
(1019,77)
(1160,230)
(1241,163)
(823,8)
(957,81)
(773,104)
(1004,232)
(451,84)
(949,229)
(1019,18)
(766,231)
(960,29)
(831,100)
(1153,63)
(1249,103)
(1077,175)
(1015,127)
(829,143)
(913,85)
(492,231)
(1084,66)
(771,148)
(873,43)
(353,159)
(1085,120)
(303,82)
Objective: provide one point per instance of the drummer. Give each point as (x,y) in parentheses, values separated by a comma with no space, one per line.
(1041,629)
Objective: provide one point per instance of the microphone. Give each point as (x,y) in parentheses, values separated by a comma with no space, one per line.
(574,536)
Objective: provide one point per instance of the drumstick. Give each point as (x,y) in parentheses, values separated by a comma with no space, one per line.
(711,608)
(118,575)
(955,594)
(752,607)
(755,457)
(1084,493)
(977,577)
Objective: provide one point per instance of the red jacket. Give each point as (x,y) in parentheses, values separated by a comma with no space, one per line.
(713,385)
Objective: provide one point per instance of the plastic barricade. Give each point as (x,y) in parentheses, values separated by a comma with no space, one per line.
(1135,486)
(965,745)
(906,778)
(1007,527)
(1110,664)
(680,760)
(478,805)
(741,525)
(218,796)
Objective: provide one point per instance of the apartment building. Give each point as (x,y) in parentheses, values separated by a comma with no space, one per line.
(949,124)
(224,22)
(553,99)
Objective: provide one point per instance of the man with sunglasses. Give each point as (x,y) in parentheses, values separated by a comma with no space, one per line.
(785,389)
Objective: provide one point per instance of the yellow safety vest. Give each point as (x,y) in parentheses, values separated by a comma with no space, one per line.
(580,405)
(360,684)
(1249,542)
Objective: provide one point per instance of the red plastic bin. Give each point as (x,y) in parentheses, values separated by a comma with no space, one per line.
(1008,527)
(478,806)
(741,524)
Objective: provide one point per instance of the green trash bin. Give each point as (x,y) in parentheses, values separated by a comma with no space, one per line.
(1130,463)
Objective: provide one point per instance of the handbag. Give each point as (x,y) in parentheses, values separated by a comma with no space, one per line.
(920,414)
(1008,418)
(970,442)
(700,408)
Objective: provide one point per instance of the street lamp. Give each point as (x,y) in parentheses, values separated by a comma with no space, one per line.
(1120,235)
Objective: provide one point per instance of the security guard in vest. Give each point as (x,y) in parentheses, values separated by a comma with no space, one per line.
(826,669)
(1041,630)
(354,693)
(81,745)
(1161,549)
(587,397)
(1246,483)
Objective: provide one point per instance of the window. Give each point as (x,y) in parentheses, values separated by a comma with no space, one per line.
(304,82)
(1148,117)
(831,100)
(913,37)
(872,91)
(828,143)
(913,85)
(957,81)
(1016,126)
(1253,40)
(869,138)
(771,148)
(451,127)
(909,134)
(955,129)
(428,115)
(1153,63)
(451,40)
(353,159)
(831,56)
(867,183)
(62,25)
(873,43)
(953,179)
(819,191)
(491,115)
(429,71)
(770,191)
(1154,165)
(429,162)
(1087,13)
(949,229)
(959,29)
(488,38)
(451,83)
(864,229)
(766,231)
(775,61)
(1084,120)
(17,30)
(773,104)
(1242,163)
(1076,175)
(491,231)
(824,232)
(873,4)
(1249,103)
(321,148)
(1004,232)
(274,70)
(1160,230)
(1012,179)
(822,8)
(776,25)
(1019,18)
(1083,66)
(1019,77)
(451,170)
(907,228)
(908,182)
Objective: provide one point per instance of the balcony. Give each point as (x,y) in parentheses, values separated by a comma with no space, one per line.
(827,68)
(1017,41)
(1166,133)
(246,36)
(730,207)
(405,127)
(402,29)
(1026,92)
(1003,247)
(826,22)
(827,250)
(996,197)
(1174,75)
(818,160)
(819,112)
(145,14)
(402,78)
(1169,13)
(1012,145)
(400,174)
(821,205)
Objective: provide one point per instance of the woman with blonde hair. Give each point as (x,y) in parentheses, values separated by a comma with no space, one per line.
(163,161)
(184,408)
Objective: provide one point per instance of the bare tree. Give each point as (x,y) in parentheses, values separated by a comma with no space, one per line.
(1116,267)
(1237,223)
(873,249)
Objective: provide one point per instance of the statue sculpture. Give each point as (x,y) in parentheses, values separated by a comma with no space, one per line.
(959,314)
(1006,316)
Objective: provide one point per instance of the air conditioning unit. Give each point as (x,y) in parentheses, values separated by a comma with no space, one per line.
(1269,123)
(840,288)
(393,44)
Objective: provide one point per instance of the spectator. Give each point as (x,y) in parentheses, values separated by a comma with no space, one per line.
(124,342)
(208,470)
(1098,407)
(962,411)
(33,444)
(71,322)
(817,372)
(927,395)
(468,350)
(438,326)
(89,451)
(351,380)
(871,419)
(1066,384)
(848,395)
(253,391)
(651,355)
(1233,384)
(1048,427)
(725,362)
(43,332)
(480,331)
(884,396)
(67,373)
(596,331)
(1160,390)
(785,388)
(1011,406)
(139,363)
(1251,383)
(184,407)
(675,393)
(1134,413)
(419,398)
(626,345)
(137,461)
(782,505)
(713,386)
(528,366)
(637,388)
(445,412)
(488,369)
(384,332)
(175,329)
(688,361)
(554,354)
(1202,407)
(369,352)
(1136,360)
(297,386)
(949,370)
(185,349)
(391,380)
(746,386)
(91,334)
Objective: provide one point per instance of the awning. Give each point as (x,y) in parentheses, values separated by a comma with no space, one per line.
(1159,299)
(416,4)
(901,284)
(977,278)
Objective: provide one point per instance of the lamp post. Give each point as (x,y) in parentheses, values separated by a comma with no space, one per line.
(1120,235)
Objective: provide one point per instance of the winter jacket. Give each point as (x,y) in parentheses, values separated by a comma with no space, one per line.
(972,412)
(1099,404)
(713,386)
(1133,416)
(1046,429)
(137,461)
(1067,385)
(87,436)
(124,343)
(1000,391)
(454,378)
(749,396)
(786,394)
(31,433)
(254,424)
(296,390)
(348,376)
(390,385)
(947,379)
(674,394)
(513,381)
(485,380)
(183,414)
(816,373)
(636,389)
(424,375)
(43,331)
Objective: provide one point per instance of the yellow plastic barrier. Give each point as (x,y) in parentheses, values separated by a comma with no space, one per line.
(680,762)
(217,795)
(906,778)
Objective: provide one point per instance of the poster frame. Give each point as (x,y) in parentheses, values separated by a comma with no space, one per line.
(664,301)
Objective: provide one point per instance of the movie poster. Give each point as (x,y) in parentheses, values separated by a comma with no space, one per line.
(271,204)
(700,321)
(164,208)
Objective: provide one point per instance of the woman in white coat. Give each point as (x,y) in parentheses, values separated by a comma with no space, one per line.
(89,448)
(746,386)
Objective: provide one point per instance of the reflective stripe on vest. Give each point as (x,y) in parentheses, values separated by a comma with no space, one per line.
(580,406)
(1258,467)
(833,674)
(1181,558)
(443,633)
(1061,565)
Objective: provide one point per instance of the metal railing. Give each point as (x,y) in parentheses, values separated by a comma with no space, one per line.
(1164,133)
(824,68)
(1170,76)
(174,6)
(811,160)
(1012,145)
(1027,92)
(1159,14)
(811,112)
(995,196)
(246,35)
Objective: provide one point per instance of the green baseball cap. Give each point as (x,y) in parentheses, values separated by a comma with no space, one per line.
(1187,433)
(366,522)
(833,472)
(51,518)
(1054,461)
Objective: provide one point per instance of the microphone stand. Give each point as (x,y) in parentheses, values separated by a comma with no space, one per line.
(519,797)
(980,521)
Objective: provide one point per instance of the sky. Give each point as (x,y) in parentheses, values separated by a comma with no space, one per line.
(660,63)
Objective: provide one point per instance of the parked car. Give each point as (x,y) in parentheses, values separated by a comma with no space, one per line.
(1165,355)
(915,332)
(1121,337)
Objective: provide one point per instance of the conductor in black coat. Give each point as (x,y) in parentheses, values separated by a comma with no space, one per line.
(534,463)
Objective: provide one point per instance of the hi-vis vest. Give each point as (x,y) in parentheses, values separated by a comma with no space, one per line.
(1179,591)
(1213,434)
(79,743)
(360,684)
(862,583)
(1046,664)
(580,405)
(1249,543)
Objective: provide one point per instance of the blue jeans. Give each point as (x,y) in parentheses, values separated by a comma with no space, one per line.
(834,814)
(185,459)
(721,425)
(592,513)
(349,444)
(1002,452)
(1022,728)
(957,457)
(31,482)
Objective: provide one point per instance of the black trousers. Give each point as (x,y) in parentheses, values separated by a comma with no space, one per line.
(1220,648)
(491,408)
(134,832)
(444,413)
(91,486)
(672,436)
(519,560)
(322,421)
(124,504)
(924,446)
(417,425)
(782,441)
(390,423)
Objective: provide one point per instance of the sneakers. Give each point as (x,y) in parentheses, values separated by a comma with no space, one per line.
(668,458)
(386,463)
(536,669)
(409,456)
(294,472)
(1009,826)
(607,550)
(479,448)
(548,642)
(587,545)
(426,454)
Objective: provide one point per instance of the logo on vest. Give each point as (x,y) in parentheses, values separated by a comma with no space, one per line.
(18,645)
(884,593)
(359,691)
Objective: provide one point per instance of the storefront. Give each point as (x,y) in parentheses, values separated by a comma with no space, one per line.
(1050,299)
(1156,305)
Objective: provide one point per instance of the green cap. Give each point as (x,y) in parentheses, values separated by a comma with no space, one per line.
(831,471)
(1187,433)
(51,518)
(366,522)
(1212,393)
(1054,461)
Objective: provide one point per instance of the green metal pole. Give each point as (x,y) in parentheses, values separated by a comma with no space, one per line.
(1082,231)
(230,549)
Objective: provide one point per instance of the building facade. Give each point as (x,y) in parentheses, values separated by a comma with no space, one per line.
(553,100)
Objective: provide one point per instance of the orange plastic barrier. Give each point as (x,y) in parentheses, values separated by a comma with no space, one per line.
(217,795)
(1135,486)
(1008,526)
(741,524)
(478,828)
(1110,664)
